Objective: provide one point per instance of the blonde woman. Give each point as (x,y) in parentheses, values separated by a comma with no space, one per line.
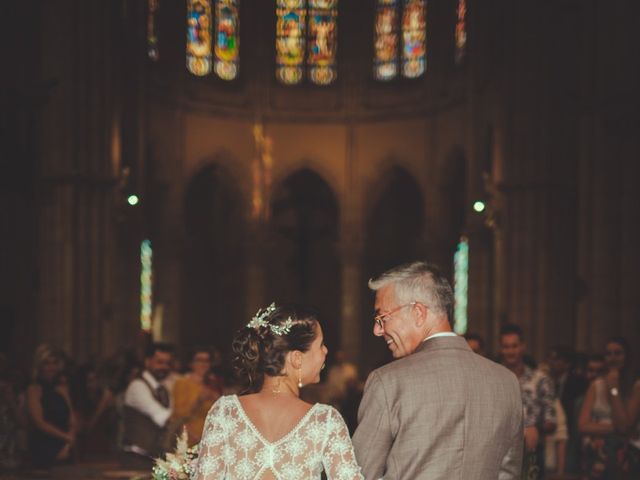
(52,434)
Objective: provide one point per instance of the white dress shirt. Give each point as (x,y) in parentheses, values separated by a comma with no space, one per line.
(139,397)
(441,334)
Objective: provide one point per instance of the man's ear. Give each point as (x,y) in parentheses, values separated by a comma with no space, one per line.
(420,314)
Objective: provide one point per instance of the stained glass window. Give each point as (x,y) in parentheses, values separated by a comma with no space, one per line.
(152,29)
(400,21)
(386,40)
(322,41)
(461,32)
(308,48)
(414,38)
(199,37)
(227,54)
(146,278)
(290,40)
(461,286)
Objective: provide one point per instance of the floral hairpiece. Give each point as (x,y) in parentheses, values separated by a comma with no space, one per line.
(260,320)
(283,329)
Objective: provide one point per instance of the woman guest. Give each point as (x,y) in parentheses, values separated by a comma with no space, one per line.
(193,395)
(94,404)
(609,418)
(270,432)
(52,434)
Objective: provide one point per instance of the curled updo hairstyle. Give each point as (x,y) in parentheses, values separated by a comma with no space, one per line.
(259,351)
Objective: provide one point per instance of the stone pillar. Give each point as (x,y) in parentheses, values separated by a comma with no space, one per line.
(78,178)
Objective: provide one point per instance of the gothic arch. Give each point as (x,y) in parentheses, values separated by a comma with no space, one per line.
(394,233)
(213,305)
(304,265)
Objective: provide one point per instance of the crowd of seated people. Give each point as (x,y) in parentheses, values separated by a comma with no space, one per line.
(582,411)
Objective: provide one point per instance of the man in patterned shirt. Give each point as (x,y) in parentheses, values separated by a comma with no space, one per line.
(538,396)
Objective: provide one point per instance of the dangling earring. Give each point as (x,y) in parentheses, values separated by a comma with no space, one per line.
(300,377)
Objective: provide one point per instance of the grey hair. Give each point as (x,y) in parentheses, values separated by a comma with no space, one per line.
(418,282)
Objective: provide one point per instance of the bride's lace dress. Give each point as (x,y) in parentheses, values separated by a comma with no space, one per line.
(232,447)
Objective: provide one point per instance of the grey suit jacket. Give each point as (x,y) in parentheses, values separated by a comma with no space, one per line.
(441,413)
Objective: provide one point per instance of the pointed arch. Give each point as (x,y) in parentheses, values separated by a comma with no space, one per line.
(393,235)
(304,265)
(214,260)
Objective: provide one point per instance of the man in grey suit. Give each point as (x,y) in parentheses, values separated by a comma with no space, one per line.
(439,411)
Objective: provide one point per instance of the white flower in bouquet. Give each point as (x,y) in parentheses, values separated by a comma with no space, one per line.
(180,464)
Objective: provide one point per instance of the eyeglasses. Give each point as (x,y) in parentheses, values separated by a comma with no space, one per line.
(381,318)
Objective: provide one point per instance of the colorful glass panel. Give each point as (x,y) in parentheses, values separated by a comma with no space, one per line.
(414,38)
(385,64)
(146,284)
(227,56)
(323,30)
(461,286)
(199,37)
(153,49)
(290,40)
(461,32)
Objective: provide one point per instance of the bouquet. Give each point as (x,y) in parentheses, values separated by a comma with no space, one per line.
(179,465)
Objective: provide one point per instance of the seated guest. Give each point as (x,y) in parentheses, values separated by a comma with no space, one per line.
(95,406)
(146,410)
(569,386)
(608,418)
(538,398)
(555,444)
(52,433)
(193,395)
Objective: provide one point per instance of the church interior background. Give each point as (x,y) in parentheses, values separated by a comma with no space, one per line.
(289,150)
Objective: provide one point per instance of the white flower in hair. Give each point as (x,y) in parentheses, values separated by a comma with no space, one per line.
(282,329)
(260,318)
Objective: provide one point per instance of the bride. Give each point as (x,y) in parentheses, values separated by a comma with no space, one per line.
(270,433)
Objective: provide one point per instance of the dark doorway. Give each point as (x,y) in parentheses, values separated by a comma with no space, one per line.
(304,266)
(394,235)
(213,301)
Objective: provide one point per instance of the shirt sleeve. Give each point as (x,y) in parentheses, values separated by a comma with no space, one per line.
(139,397)
(211,465)
(547,396)
(373,437)
(338,458)
(561,432)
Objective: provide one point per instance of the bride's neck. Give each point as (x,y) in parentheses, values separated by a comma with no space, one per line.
(280,385)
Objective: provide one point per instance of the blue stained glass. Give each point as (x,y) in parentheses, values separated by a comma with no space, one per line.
(227,49)
(461,286)
(199,54)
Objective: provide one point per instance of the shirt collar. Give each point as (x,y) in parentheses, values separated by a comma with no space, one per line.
(150,379)
(441,334)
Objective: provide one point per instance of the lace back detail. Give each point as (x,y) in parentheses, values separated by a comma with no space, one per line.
(232,448)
